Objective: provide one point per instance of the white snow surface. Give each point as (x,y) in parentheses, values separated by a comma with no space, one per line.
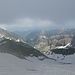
(63,47)
(11,65)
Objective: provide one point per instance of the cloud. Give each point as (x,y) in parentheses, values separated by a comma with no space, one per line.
(33,23)
(70,22)
(3,26)
(27,24)
(54,10)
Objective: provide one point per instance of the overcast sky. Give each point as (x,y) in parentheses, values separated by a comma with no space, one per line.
(36,13)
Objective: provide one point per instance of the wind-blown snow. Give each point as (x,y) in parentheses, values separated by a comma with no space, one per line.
(11,65)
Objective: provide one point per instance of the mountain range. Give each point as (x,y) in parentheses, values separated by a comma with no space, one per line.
(58,60)
(45,40)
(37,43)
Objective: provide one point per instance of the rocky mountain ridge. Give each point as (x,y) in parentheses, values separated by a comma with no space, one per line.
(45,40)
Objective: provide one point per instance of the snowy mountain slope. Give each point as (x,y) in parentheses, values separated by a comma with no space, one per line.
(12,44)
(9,35)
(18,49)
(11,65)
(64,54)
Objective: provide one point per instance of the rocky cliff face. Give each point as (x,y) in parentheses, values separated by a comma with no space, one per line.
(45,44)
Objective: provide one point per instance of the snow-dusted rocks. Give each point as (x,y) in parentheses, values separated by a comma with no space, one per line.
(63,47)
(18,40)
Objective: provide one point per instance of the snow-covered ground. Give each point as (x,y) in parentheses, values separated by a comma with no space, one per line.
(69,59)
(11,65)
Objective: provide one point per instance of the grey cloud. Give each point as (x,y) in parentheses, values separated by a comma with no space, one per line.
(58,11)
